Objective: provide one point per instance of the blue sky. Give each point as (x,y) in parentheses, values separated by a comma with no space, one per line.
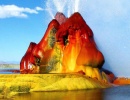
(25,21)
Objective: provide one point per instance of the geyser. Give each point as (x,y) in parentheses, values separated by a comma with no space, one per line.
(68,46)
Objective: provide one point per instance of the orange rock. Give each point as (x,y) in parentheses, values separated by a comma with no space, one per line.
(69,47)
(76,37)
(121,81)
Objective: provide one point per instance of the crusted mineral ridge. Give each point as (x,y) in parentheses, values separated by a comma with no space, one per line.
(68,46)
(76,34)
(60,17)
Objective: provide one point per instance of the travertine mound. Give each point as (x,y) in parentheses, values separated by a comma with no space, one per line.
(24,83)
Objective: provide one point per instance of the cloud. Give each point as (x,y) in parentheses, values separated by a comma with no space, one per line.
(39,8)
(7,11)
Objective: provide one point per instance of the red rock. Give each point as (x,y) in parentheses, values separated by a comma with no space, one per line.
(75,43)
(27,58)
(60,17)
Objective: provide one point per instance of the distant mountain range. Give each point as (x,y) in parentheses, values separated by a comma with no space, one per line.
(9,62)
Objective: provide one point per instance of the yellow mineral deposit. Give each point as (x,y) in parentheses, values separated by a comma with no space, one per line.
(23,83)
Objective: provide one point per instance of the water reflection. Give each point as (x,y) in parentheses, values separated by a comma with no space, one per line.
(95,94)
(117,93)
(114,93)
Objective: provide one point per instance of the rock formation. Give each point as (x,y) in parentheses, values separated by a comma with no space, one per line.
(68,46)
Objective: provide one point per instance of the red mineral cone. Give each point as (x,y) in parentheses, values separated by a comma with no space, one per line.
(68,46)
(60,17)
(25,63)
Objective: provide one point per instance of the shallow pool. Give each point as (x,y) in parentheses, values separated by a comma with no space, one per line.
(114,93)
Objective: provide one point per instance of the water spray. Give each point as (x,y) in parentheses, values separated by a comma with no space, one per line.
(76,6)
(48,8)
(64,6)
(59,5)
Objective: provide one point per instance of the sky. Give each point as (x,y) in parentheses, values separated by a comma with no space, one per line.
(25,21)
